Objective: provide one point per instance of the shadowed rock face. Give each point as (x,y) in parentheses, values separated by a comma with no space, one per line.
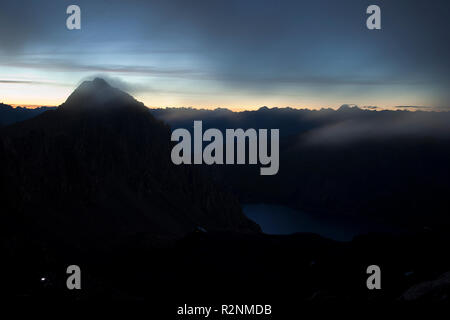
(98,168)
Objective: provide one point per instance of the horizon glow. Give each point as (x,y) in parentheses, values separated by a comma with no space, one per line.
(297,54)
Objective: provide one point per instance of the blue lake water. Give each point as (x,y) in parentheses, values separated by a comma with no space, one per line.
(275,219)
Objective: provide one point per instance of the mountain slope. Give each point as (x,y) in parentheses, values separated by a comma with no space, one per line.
(10,115)
(98,168)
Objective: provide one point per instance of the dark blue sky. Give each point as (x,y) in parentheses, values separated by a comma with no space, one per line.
(236,54)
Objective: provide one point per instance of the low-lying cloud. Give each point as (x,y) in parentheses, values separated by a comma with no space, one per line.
(377,126)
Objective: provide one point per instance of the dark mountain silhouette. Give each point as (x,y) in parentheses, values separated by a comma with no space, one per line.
(387,166)
(10,115)
(99,167)
(364,123)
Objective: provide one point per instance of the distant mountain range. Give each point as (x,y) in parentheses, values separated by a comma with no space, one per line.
(389,167)
(9,115)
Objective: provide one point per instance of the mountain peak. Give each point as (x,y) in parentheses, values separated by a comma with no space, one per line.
(97,94)
(99,82)
(96,84)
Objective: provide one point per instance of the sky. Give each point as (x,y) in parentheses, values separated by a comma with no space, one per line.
(237,54)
